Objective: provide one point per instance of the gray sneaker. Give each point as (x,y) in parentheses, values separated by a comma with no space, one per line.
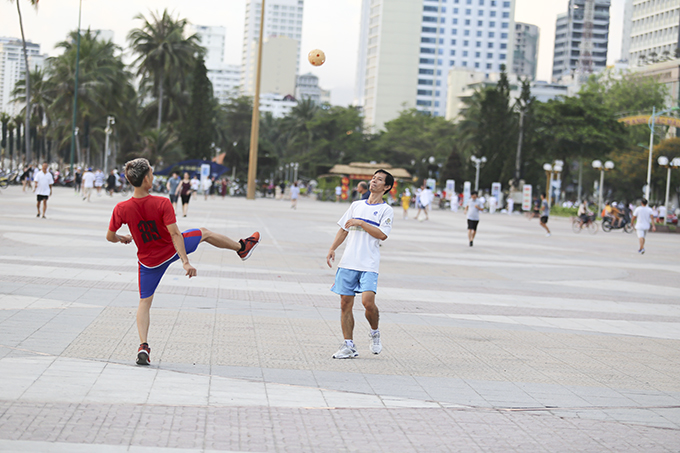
(345,352)
(375,345)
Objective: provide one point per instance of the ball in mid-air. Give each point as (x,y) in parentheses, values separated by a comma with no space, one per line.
(316,57)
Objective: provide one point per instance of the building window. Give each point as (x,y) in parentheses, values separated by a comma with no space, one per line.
(465,63)
(427,61)
(453,52)
(490,45)
(477,55)
(504,36)
(452,63)
(489,55)
(504,25)
(424,92)
(492,34)
(478,44)
(501,56)
(492,13)
(480,12)
(455,10)
(492,24)
(479,33)
(429,19)
(504,45)
(455,21)
(466,33)
(481,2)
(426,71)
(453,42)
(424,82)
(476,65)
(429,30)
(465,53)
(467,21)
(468,12)
(424,103)
(488,66)
(465,43)
(454,31)
(506,4)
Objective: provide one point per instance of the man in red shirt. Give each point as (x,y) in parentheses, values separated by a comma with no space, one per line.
(153,228)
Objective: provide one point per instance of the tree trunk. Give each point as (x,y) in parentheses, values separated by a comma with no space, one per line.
(160,101)
(27,125)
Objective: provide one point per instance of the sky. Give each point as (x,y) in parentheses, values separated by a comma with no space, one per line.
(330,25)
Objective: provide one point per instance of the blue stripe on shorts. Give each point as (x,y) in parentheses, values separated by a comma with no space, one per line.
(150,277)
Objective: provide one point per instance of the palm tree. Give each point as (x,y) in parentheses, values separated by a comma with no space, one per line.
(28,92)
(164,56)
(160,146)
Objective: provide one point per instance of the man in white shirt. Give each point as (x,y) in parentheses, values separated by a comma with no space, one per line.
(645,220)
(365,224)
(195,184)
(294,194)
(426,197)
(472,210)
(43,182)
(88,184)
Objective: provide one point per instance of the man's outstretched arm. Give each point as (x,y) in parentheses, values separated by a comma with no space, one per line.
(339,239)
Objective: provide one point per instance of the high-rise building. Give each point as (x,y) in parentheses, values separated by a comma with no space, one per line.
(400,38)
(13,69)
(389,72)
(282,18)
(651,30)
(475,34)
(225,78)
(525,57)
(581,38)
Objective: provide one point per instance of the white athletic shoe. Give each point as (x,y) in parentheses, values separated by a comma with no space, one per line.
(375,345)
(345,352)
(547,235)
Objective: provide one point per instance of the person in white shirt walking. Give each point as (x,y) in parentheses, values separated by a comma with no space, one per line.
(43,182)
(645,220)
(472,210)
(88,184)
(294,194)
(365,224)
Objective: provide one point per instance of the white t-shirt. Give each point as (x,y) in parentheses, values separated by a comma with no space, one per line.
(362,252)
(88,180)
(662,211)
(294,192)
(338,190)
(99,178)
(44,182)
(474,207)
(195,183)
(426,197)
(643,217)
(206,183)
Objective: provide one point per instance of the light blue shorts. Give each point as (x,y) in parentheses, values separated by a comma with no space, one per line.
(349,282)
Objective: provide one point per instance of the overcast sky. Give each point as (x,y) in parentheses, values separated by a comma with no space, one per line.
(331,25)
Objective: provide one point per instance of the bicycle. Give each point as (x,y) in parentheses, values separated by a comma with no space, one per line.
(577,225)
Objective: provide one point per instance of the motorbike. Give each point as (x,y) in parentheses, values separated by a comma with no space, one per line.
(608,224)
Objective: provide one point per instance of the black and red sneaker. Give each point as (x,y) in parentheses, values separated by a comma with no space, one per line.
(143,354)
(249,245)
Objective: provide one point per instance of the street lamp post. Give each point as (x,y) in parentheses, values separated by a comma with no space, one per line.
(551,169)
(110,121)
(478,161)
(296,165)
(652,119)
(664,162)
(74,133)
(597,165)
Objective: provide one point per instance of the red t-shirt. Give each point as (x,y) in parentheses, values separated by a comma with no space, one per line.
(147,219)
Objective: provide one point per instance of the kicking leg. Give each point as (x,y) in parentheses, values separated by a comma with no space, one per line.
(219,240)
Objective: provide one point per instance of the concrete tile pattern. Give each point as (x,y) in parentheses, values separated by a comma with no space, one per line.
(520,343)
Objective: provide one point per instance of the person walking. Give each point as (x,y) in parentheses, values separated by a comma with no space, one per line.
(99,181)
(294,194)
(406,202)
(172,184)
(206,184)
(43,183)
(153,226)
(365,224)
(111,182)
(88,184)
(426,197)
(195,184)
(472,210)
(643,219)
(545,214)
(184,191)
(78,180)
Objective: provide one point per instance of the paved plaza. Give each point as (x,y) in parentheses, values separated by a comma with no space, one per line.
(520,343)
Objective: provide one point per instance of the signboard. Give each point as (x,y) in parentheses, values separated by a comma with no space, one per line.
(450,188)
(496,191)
(467,188)
(526,197)
(431,183)
(205,173)
(644,119)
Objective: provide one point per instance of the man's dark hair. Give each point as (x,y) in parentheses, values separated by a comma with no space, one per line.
(389,179)
(543,194)
(644,202)
(474,192)
(136,170)
(363,185)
